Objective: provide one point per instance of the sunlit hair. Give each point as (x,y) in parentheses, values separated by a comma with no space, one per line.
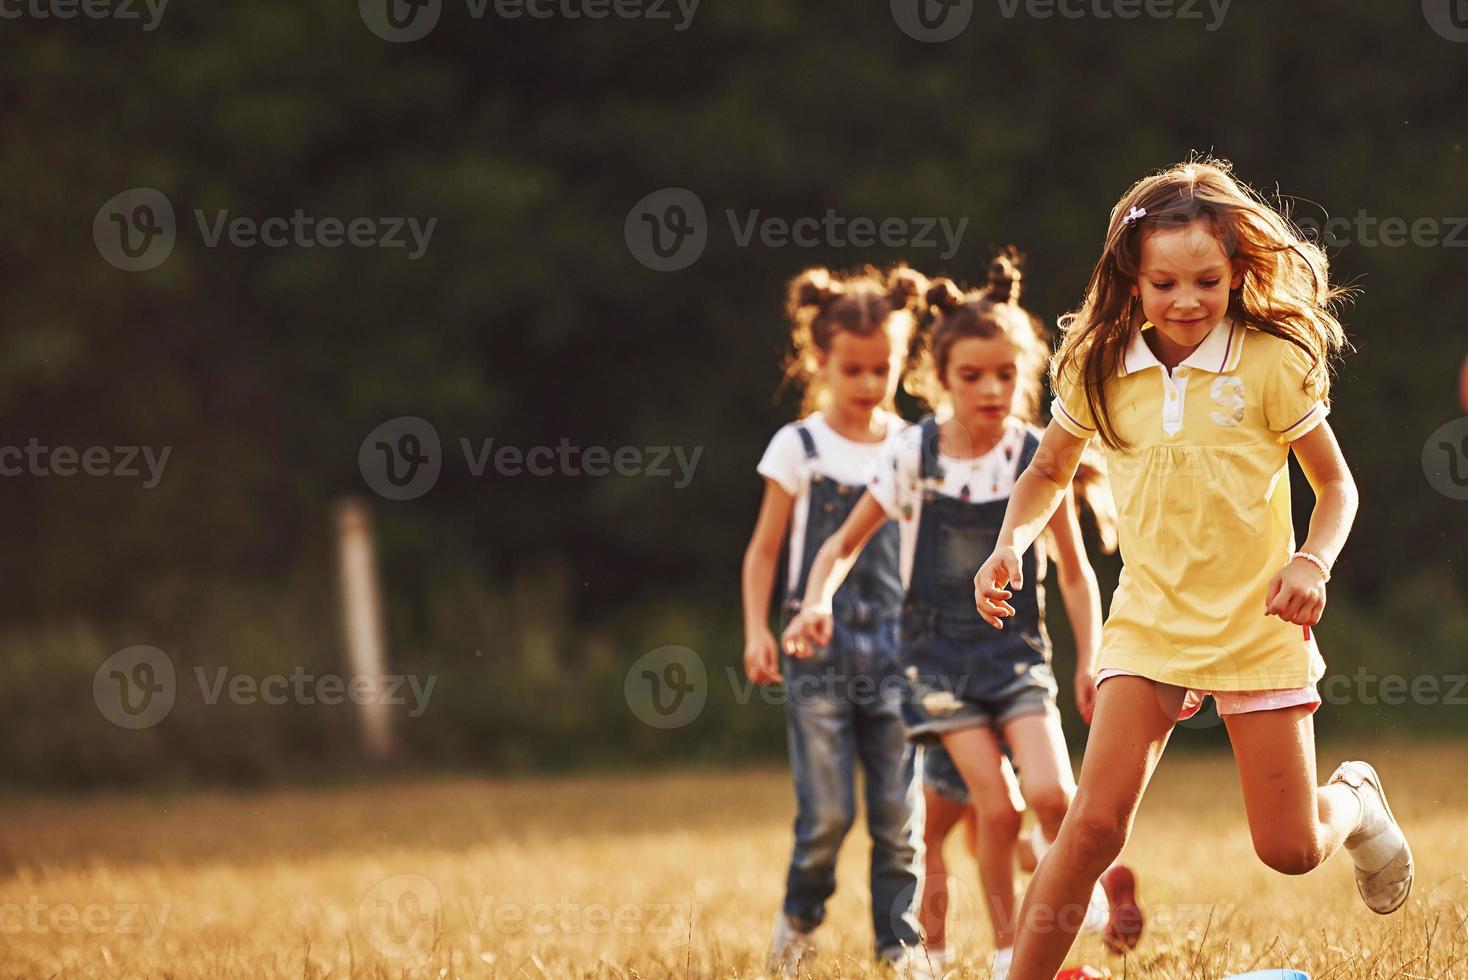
(986,313)
(1286,289)
(1093,489)
(822,304)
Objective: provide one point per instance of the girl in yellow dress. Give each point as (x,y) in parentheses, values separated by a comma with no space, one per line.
(1200,358)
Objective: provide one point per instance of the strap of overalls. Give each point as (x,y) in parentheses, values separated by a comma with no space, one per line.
(808,441)
(930,469)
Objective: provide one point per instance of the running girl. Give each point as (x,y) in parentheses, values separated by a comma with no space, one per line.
(1199,356)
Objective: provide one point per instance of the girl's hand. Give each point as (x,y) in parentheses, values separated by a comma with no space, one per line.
(1296,594)
(810,628)
(1085,695)
(762,658)
(1003,568)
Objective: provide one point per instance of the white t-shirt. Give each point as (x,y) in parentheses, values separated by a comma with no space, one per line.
(837,458)
(896,480)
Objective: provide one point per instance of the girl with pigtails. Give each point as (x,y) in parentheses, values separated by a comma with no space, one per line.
(851,336)
(946,484)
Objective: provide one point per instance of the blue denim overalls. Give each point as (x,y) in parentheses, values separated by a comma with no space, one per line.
(844,705)
(949,654)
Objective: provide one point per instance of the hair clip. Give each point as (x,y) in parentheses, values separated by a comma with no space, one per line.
(1135,214)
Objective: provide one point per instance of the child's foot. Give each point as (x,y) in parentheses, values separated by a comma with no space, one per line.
(1384,869)
(1124,927)
(918,962)
(789,946)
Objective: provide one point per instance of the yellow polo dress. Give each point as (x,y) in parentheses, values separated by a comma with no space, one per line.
(1203,498)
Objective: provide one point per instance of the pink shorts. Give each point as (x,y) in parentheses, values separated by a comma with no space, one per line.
(1234,702)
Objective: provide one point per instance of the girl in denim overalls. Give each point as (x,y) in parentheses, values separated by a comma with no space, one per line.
(970,688)
(844,704)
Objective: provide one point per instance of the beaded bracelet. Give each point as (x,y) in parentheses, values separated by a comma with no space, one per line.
(1316,561)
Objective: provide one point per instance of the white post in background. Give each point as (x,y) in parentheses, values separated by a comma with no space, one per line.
(362,621)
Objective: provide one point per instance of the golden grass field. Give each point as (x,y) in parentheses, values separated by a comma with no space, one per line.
(597,876)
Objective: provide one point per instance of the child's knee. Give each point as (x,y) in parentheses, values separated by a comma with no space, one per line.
(1049,803)
(1099,835)
(1289,857)
(1001,821)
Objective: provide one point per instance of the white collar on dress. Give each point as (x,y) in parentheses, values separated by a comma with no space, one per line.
(1218,352)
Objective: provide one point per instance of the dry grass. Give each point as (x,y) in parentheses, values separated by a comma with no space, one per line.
(597,876)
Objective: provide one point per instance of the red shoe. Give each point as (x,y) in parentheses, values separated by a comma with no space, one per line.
(1082,973)
(1124,927)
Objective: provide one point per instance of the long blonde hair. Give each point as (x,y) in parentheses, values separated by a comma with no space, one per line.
(1286,289)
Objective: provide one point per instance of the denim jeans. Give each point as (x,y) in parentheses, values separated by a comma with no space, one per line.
(843,708)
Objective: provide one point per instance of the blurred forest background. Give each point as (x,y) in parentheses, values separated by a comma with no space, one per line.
(529,320)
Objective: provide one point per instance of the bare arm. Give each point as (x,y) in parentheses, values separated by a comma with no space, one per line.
(761,657)
(1297,592)
(1037,494)
(829,569)
(1336,499)
(1082,598)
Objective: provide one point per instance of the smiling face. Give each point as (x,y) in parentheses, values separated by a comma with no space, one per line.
(860,372)
(1185,282)
(981,376)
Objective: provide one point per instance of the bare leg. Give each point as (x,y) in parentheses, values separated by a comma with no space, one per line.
(976,753)
(1045,774)
(1295,824)
(970,832)
(1134,718)
(942,815)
